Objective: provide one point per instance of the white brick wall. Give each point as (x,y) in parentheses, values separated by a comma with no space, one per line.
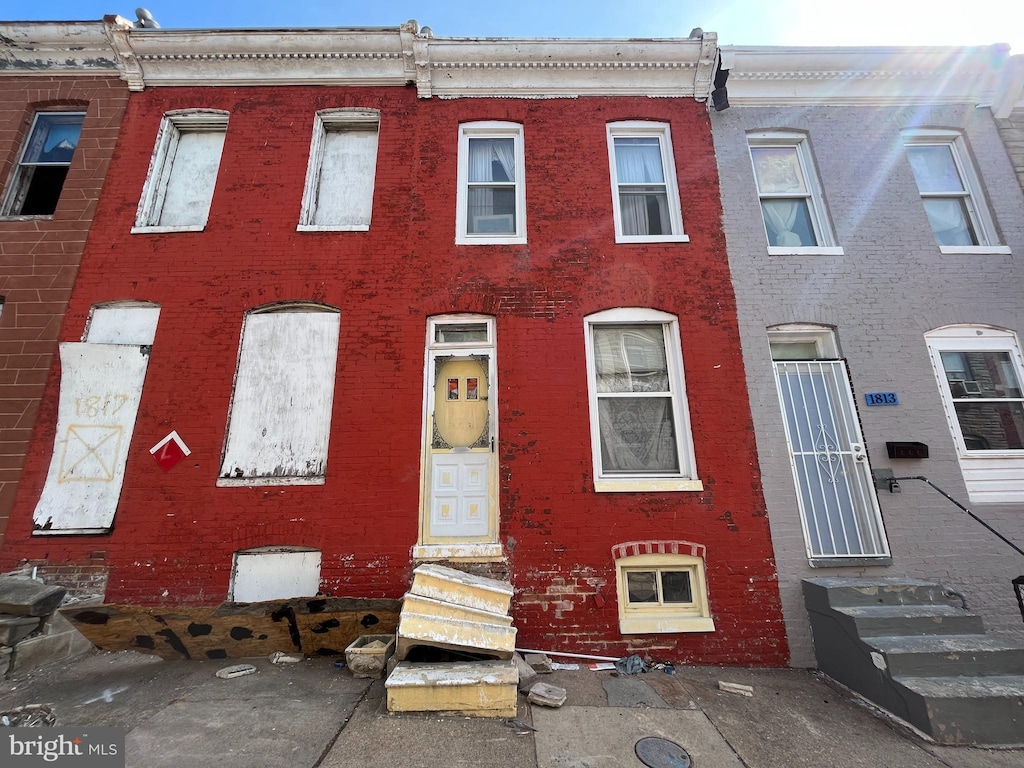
(890,286)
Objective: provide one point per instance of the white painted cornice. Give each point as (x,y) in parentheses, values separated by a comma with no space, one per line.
(57,47)
(768,76)
(442,67)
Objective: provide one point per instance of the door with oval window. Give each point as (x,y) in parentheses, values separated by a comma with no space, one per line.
(459,468)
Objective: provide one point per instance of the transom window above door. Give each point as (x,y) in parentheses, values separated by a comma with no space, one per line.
(491,198)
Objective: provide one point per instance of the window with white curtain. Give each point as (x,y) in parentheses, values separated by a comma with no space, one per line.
(644,189)
(792,202)
(342,165)
(950,191)
(640,432)
(44,163)
(182,172)
(491,197)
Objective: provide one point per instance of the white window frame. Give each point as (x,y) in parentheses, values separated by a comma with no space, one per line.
(22,177)
(686,478)
(990,476)
(814,196)
(241,444)
(977,206)
(490,130)
(647,129)
(663,618)
(327,121)
(154,192)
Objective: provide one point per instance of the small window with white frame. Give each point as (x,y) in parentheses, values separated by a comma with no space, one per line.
(338,194)
(792,202)
(183,172)
(44,164)
(491,195)
(645,195)
(639,418)
(981,380)
(662,591)
(951,192)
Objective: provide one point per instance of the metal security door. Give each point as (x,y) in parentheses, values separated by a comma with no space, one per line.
(838,505)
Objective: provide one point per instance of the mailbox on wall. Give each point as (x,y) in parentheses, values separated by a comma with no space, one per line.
(907,450)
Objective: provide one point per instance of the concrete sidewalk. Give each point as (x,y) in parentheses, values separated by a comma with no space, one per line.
(312,714)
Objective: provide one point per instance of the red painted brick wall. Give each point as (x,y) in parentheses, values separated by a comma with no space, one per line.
(39,255)
(175,533)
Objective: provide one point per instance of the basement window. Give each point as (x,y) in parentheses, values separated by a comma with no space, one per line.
(662,593)
(274,573)
(183,172)
(280,417)
(43,167)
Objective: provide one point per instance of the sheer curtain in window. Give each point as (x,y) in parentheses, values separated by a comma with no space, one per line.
(483,154)
(638,162)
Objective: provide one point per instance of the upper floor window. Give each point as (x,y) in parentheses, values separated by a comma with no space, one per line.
(792,203)
(44,163)
(950,191)
(640,431)
(491,198)
(183,172)
(644,189)
(342,165)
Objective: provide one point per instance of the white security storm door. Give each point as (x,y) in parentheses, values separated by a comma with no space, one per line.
(459,469)
(838,506)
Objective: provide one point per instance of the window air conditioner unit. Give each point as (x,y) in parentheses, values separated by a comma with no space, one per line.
(972,388)
(501,224)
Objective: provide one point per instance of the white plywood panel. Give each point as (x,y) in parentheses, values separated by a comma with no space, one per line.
(275,574)
(123,325)
(284,390)
(191,179)
(100,389)
(345,194)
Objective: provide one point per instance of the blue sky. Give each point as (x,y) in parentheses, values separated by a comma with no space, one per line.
(737,22)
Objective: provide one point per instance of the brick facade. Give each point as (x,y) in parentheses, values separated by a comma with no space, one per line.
(39,255)
(175,533)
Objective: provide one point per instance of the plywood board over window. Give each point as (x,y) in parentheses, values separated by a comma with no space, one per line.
(280,416)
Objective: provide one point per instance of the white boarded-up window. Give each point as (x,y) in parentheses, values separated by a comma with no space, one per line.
(280,416)
(127,323)
(342,166)
(183,172)
(275,573)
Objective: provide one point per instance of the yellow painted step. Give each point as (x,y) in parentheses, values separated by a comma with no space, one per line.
(415,629)
(477,689)
(427,606)
(453,586)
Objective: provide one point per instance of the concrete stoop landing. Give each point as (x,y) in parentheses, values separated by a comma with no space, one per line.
(900,644)
(449,614)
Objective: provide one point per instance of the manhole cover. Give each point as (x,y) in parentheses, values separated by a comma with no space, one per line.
(662,753)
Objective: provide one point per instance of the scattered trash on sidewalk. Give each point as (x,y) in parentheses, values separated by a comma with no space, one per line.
(28,716)
(547,695)
(280,657)
(601,666)
(522,728)
(742,690)
(631,665)
(237,670)
(556,665)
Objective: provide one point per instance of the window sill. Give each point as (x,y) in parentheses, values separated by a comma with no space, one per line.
(624,239)
(333,228)
(839,562)
(650,625)
(490,240)
(975,250)
(21,217)
(464,552)
(778,250)
(236,482)
(159,230)
(646,485)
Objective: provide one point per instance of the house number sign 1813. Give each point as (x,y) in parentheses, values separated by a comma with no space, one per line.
(882,398)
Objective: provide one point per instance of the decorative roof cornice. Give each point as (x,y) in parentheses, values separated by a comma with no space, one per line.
(57,47)
(769,76)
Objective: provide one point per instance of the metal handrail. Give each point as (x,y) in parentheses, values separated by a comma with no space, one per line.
(893,481)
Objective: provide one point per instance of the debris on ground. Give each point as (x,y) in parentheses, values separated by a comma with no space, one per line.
(742,690)
(31,715)
(526,673)
(547,695)
(540,663)
(237,670)
(631,665)
(522,728)
(556,666)
(601,666)
(280,657)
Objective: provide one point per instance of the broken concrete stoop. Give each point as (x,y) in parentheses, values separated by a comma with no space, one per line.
(458,614)
(32,632)
(899,643)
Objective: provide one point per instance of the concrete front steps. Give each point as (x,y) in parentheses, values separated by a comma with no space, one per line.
(899,643)
(461,618)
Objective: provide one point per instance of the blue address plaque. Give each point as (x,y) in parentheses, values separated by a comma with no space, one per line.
(882,398)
